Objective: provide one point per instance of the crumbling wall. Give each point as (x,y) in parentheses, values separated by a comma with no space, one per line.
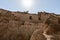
(27,17)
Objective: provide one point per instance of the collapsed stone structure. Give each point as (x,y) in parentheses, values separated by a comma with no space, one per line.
(25,26)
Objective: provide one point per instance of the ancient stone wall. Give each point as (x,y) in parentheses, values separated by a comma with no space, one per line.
(28,17)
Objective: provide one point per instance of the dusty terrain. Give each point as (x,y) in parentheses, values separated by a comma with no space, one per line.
(24,26)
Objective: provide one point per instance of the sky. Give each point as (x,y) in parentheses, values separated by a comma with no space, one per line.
(52,6)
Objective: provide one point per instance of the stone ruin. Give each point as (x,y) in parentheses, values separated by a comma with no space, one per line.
(25,26)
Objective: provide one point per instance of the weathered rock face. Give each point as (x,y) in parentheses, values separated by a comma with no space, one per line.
(23,26)
(52,20)
(53,32)
(8,25)
(38,35)
(53,29)
(27,30)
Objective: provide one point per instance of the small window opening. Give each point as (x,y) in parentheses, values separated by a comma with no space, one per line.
(30,17)
(39,18)
(59,21)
